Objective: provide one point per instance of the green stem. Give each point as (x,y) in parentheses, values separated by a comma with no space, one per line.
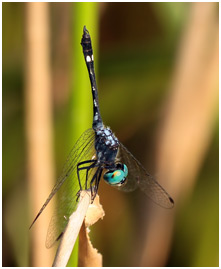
(80,107)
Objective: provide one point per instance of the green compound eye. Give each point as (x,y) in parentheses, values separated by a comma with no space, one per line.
(116,177)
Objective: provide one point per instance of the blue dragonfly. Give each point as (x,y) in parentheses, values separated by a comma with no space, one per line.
(97,154)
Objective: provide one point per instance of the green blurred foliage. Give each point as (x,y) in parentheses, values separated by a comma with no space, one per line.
(137,48)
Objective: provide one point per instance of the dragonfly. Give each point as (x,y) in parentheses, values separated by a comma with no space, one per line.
(96,155)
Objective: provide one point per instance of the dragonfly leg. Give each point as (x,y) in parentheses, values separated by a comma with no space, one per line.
(86,181)
(82,168)
(78,175)
(95,180)
(78,195)
(98,181)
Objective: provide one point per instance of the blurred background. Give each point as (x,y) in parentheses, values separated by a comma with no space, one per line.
(157,75)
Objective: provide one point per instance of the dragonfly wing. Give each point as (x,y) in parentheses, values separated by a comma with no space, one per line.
(67,186)
(67,194)
(124,156)
(138,176)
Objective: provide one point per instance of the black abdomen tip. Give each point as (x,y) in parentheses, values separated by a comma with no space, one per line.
(85,29)
(85,32)
(86,40)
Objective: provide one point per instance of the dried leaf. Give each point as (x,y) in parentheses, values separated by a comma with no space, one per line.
(88,255)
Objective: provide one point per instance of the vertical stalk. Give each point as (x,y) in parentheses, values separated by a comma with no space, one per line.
(39,126)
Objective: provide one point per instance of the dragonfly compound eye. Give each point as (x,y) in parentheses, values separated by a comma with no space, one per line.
(117,177)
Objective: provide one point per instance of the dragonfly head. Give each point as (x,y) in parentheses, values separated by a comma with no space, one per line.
(117,176)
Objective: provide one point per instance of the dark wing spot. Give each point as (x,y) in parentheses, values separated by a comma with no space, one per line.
(171,200)
(59,237)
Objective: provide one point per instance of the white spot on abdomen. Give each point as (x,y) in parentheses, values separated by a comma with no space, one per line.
(88,59)
(96,117)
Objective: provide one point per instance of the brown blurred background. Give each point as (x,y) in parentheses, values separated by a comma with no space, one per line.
(157,72)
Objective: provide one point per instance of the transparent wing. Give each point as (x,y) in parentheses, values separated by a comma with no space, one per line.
(138,177)
(67,186)
(67,193)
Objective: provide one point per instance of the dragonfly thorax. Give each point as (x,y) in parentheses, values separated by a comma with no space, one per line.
(106,145)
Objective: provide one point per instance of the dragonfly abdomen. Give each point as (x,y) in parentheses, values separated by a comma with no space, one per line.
(89,59)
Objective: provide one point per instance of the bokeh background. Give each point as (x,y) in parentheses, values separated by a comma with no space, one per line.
(157,73)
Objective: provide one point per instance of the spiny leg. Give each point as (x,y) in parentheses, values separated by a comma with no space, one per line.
(82,168)
(95,178)
(98,181)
